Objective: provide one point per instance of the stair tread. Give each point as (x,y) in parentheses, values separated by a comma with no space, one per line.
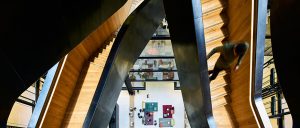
(212,5)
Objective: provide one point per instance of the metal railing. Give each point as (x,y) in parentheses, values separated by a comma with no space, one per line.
(271,89)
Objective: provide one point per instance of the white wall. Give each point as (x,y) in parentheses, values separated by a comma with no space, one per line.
(123,103)
(161,92)
(288,120)
(21,113)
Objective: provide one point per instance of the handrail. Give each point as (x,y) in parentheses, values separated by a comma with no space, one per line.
(156,57)
(266,64)
(25,102)
(45,93)
(188,44)
(268,61)
(279,115)
(151,80)
(27,98)
(150,70)
(161,37)
(121,58)
(270,90)
(259,31)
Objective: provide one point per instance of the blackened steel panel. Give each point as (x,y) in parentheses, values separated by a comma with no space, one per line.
(130,42)
(37,34)
(285,38)
(260,15)
(187,35)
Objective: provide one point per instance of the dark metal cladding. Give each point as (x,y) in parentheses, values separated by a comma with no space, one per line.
(260,13)
(187,35)
(114,121)
(37,34)
(130,42)
(285,35)
(129,86)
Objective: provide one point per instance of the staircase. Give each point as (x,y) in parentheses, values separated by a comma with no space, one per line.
(215,28)
(85,89)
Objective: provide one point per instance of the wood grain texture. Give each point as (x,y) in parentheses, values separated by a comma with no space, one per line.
(215,28)
(85,90)
(239,28)
(76,59)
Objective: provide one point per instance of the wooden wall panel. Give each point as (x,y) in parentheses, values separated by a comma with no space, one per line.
(239,28)
(85,90)
(225,119)
(215,28)
(75,60)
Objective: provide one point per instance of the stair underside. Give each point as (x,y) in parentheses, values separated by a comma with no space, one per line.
(215,29)
(85,89)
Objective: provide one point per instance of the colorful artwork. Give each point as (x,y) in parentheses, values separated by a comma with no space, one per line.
(151,107)
(166,122)
(168,111)
(148,118)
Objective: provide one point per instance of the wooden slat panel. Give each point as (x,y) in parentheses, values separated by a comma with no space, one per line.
(204,1)
(211,20)
(212,5)
(82,96)
(218,82)
(217,11)
(213,28)
(219,93)
(224,117)
(239,28)
(220,102)
(215,24)
(215,34)
(74,63)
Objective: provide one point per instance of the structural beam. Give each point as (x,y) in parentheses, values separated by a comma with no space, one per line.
(129,43)
(161,37)
(129,86)
(187,36)
(114,121)
(37,89)
(37,34)
(285,32)
(260,14)
(25,102)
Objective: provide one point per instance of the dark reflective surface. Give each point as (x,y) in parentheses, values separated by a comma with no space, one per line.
(259,43)
(285,34)
(130,42)
(37,34)
(187,36)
